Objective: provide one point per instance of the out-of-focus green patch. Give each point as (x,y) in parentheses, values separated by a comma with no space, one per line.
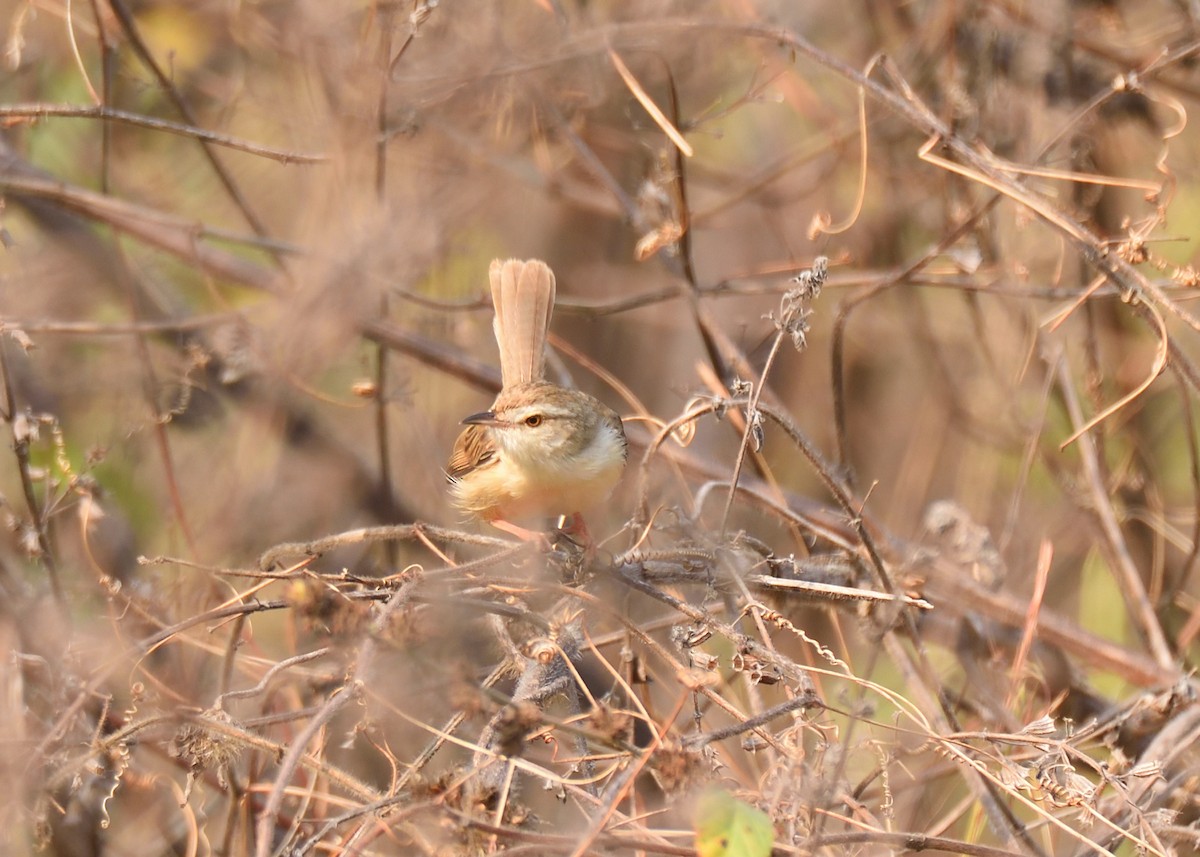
(1185,209)
(60,146)
(1169,445)
(943,661)
(461,275)
(180,39)
(1058,428)
(727,827)
(1102,611)
(750,132)
(123,489)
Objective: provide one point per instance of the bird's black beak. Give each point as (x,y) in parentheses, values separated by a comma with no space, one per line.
(483,418)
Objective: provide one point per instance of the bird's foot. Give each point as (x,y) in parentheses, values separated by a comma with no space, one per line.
(577,533)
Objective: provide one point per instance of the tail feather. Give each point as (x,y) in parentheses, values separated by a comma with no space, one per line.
(523,295)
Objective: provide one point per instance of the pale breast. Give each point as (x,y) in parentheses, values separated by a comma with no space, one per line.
(544,487)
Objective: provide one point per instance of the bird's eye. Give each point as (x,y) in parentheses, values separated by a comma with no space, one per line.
(533,421)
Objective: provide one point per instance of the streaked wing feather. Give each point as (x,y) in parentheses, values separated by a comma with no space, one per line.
(472,450)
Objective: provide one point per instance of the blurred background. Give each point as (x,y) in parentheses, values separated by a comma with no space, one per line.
(244,303)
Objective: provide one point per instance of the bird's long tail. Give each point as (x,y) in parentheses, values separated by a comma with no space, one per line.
(523,294)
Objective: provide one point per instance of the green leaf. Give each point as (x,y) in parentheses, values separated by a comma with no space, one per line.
(727,827)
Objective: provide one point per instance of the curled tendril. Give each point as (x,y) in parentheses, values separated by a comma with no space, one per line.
(682,434)
(719,405)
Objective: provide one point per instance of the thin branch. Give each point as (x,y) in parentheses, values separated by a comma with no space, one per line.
(125,117)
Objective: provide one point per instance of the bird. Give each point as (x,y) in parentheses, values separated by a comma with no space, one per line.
(541,450)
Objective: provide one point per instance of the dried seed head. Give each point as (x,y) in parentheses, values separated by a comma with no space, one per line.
(809,283)
(674,767)
(202,749)
(513,725)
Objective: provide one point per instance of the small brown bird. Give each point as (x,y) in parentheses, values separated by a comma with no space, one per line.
(541,450)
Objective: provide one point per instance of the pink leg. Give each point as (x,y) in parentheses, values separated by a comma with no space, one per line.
(576,530)
(523,534)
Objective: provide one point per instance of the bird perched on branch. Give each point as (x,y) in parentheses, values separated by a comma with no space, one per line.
(541,450)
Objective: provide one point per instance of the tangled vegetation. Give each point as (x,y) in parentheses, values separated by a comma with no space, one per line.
(894,299)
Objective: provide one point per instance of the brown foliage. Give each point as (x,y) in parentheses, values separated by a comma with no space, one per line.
(905,553)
